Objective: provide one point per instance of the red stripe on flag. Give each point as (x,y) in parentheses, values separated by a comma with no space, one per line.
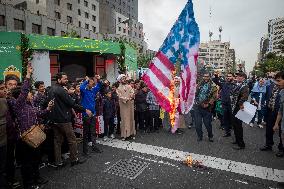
(160,75)
(165,60)
(162,100)
(186,83)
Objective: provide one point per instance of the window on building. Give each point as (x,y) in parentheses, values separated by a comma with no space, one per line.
(86,3)
(37,12)
(36,28)
(135,34)
(57,2)
(119,28)
(2,20)
(139,35)
(119,20)
(19,24)
(124,30)
(57,15)
(87,26)
(69,6)
(94,29)
(69,19)
(79,12)
(79,1)
(86,15)
(37,1)
(94,18)
(79,24)
(94,8)
(50,31)
(63,33)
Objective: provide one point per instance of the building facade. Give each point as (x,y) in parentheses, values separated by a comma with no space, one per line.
(87,18)
(217,55)
(54,18)
(275,35)
(128,8)
(119,18)
(263,48)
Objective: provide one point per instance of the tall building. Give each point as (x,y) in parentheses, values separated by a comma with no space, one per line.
(94,19)
(128,8)
(217,55)
(231,65)
(51,17)
(275,35)
(263,48)
(119,18)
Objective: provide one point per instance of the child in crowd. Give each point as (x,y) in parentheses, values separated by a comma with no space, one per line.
(109,112)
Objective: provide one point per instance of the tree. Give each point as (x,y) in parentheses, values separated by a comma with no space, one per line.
(271,63)
(143,61)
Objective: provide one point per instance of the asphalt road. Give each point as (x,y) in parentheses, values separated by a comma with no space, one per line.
(164,172)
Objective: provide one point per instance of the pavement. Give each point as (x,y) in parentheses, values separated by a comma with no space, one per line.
(162,154)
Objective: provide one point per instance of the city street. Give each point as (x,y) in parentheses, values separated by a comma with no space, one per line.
(156,163)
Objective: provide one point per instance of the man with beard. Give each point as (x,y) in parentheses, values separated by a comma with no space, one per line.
(3,134)
(205,96)
(280,120)
(11,82)
(60,116)
(272,107)
(126,103)
(226,90)
(89,90)
(239,96)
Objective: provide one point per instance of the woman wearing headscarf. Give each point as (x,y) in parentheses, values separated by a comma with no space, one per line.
(258,95)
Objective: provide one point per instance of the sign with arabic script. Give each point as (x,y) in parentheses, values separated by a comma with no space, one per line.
(10,54)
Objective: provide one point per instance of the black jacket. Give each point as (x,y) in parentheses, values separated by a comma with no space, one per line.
(109,108)
(63,104)
(140,101)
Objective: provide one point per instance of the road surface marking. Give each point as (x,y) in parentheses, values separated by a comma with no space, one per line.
(209,161)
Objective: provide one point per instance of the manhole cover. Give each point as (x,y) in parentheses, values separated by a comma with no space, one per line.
(128,168)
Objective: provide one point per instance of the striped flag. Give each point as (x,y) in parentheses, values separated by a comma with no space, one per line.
(181,45)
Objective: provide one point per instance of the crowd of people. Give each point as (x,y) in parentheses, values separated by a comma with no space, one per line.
(126,106)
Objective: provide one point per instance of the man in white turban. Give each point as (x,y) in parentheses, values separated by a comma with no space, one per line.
(126,103)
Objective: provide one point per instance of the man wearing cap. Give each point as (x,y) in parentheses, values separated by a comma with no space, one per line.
(126,103)
(239,96)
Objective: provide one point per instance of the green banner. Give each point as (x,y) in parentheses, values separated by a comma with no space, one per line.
(43,42)
(130,58)
(10,54)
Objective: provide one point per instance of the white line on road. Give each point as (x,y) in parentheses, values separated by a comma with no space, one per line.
(209,161)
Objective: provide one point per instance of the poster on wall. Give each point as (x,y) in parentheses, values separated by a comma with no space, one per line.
(41,65)
(10,54)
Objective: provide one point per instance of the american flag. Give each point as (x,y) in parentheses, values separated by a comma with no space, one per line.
(181,44)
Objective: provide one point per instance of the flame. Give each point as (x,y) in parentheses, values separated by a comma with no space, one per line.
(172,101)
(193,163)
(189,161)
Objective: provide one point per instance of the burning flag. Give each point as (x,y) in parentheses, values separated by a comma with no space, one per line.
(181,45)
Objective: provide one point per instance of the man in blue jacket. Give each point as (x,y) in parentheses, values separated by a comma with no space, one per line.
(89,90)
